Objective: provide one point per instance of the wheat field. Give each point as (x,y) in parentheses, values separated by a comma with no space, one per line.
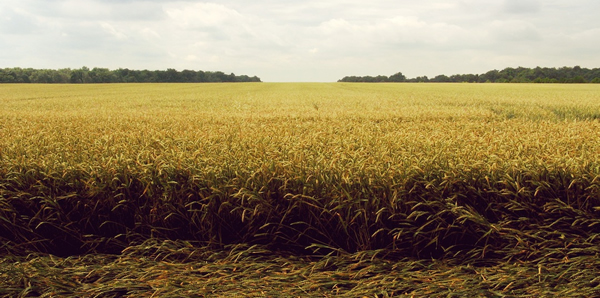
(347,189)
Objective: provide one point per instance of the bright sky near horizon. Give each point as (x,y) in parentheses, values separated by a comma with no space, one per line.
(301,40)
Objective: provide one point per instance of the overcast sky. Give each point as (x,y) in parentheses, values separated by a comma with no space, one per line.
(301,40)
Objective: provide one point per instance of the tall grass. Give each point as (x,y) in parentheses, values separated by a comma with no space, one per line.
(469,173)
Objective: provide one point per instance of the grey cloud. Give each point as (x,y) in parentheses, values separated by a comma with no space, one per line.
(515,31)
(522,6)
(287,40)
(15,22)
(91,10)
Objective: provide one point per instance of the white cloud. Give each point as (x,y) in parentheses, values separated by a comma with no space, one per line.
(202,15)
(522,6)
(148,33)
(514,31)
(589,35)
(293,40)
(108,28)
(15,21)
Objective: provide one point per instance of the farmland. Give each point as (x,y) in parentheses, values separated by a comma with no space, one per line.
(320,189)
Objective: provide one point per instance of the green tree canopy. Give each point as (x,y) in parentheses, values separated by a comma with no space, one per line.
(121,75)
(565,74)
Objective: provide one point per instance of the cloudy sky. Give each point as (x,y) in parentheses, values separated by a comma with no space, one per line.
(301,40)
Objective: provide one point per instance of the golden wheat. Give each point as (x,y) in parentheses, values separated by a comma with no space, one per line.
(345,166)
(500,183)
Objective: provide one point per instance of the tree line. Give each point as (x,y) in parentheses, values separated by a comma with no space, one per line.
(121,75)
(508,75)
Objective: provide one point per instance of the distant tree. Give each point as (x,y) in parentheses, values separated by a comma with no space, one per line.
(214,77)
(188,76)
(171,76)
(147,76)
(578,80)
(42,76)
(61,76)
(8,76)
(380,79)
(422,79)
(440,78)
(397,77)
(230,78)
(457,78)
(367,79)
(80,75)
(490,76)
(102,75)
(200,76)
(124,75)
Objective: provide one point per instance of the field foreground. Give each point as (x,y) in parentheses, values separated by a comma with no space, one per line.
(179,269)
(299,190)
